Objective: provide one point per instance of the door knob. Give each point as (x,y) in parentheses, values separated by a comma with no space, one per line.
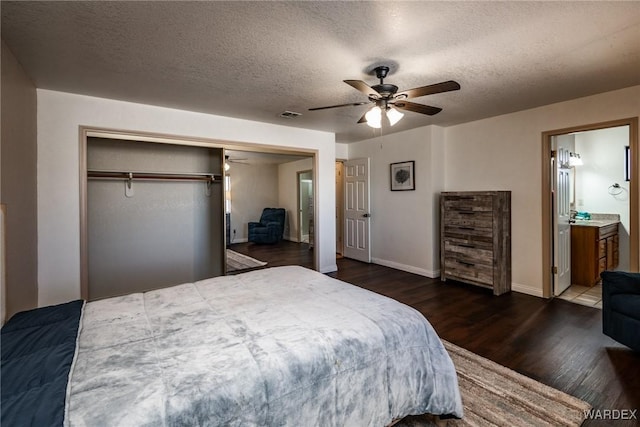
(367,215)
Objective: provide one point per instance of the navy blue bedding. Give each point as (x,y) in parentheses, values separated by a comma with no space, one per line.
(37,349)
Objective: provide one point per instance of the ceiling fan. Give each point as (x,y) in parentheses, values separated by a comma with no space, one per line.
(228,160)
(388,100)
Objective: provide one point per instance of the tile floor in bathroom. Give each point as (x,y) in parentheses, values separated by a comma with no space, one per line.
(591,296)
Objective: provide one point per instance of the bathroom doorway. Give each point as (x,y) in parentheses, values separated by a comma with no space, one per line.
(588,188)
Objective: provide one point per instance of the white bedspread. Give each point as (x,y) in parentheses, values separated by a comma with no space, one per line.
(284,346)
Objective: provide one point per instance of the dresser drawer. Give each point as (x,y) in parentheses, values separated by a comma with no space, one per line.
(468,233)
(468,271)
(482,219)
(468,246)
(469,203)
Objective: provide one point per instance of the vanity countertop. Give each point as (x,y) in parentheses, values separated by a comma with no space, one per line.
(594,222)
(598,220)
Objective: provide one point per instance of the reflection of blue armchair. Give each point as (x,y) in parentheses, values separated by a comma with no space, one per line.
(621,307)
(270,228)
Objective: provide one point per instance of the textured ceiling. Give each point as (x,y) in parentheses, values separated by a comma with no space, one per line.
(254,60)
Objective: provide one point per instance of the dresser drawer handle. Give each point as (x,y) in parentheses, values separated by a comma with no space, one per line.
(466,212)
(466,245)
(469,264)
(466,228)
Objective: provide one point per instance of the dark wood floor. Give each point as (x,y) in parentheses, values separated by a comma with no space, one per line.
(553,341)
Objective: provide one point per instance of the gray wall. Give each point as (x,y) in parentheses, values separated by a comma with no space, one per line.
(253,188)
(166,233)
(18,184)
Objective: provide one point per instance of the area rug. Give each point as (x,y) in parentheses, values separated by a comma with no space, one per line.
(493,395)
(236,261)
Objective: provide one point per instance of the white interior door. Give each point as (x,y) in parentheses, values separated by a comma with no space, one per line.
(562,214)
(356,210)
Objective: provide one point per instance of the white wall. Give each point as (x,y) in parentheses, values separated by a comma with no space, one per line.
(404,224)
(59,117)
(288,196)
(505,153)
(253,188)
(342,151)
(602,152)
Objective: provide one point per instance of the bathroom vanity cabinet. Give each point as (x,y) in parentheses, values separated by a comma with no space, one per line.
(594,249)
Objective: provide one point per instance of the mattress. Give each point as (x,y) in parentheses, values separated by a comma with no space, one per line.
(283,346)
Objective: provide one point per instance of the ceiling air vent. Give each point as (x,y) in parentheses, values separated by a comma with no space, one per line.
(289,114)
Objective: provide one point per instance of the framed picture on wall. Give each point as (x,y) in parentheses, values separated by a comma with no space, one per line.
(403,176)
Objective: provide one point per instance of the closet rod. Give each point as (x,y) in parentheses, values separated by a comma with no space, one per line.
(211,177)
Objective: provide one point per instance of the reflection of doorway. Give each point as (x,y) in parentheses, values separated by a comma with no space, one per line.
(549,207)
(305,207)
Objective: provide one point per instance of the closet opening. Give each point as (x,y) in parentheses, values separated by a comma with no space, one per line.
(153,210)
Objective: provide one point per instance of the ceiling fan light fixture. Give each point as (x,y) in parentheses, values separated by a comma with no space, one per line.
(374,117)
(394,116)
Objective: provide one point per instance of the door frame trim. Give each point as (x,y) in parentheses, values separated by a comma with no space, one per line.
(634,195)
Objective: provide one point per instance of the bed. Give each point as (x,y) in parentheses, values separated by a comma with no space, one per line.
(283,346)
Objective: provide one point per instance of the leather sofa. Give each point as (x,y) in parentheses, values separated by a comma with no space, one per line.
(621,307)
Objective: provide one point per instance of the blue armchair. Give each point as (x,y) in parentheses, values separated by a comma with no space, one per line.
(270,228)
(621,307)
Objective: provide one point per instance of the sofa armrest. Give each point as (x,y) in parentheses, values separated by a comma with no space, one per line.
(619,282)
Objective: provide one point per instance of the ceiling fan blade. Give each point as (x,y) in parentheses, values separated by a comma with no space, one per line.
(417,108)
(363,119)
(351,104)
(363,87)
(447,86)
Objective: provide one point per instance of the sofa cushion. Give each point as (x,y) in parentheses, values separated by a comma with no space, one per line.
(626,304)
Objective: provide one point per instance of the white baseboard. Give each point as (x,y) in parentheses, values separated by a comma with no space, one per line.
(516,287)
(526,289)
(408,268)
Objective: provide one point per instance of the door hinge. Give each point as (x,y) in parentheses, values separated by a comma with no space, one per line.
(555,270)
(553,154)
